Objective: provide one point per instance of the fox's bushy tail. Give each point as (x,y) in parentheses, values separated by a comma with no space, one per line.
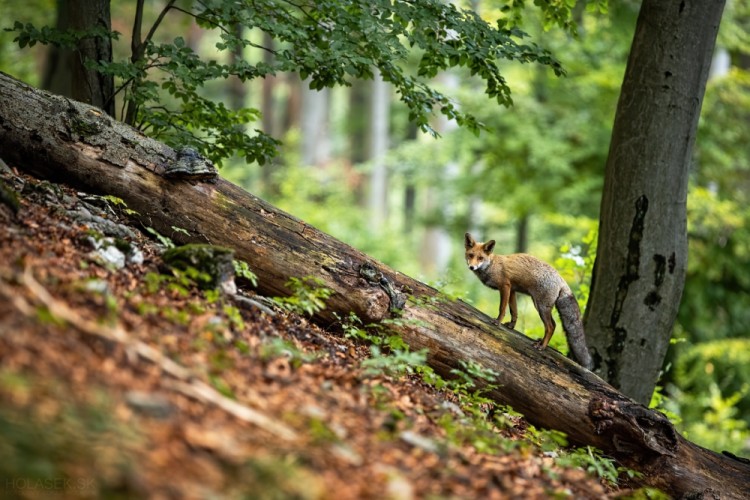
(570,314)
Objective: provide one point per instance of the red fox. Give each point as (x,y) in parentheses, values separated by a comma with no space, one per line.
(526,274)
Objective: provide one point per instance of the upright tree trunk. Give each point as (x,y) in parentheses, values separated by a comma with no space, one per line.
(522,234)
(58,66)
(66,73)
(89,86)
(267,94)
(267,107)
(315,141)
(236,88)
(642,251)
(357,121)
(293,104)
(410,187)
(378,145)
(437,244)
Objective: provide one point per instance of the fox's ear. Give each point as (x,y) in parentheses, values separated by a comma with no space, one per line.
(489,246)
(469,241)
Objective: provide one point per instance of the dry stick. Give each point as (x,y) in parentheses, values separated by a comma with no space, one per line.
(186,384)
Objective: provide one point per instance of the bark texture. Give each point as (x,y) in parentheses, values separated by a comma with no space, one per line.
(88,85)
(65,72)
(59,139)
(58,64)
(641,258)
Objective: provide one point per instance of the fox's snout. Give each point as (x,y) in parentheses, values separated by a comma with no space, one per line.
(475,264)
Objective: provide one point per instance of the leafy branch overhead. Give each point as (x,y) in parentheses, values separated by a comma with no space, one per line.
(328,43)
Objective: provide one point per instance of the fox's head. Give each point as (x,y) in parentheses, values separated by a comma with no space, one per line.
(477,254)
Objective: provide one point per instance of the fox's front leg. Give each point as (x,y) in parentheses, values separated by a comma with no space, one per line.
(505,295)
(513,310)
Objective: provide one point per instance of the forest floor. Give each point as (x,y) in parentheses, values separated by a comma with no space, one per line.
(120,381)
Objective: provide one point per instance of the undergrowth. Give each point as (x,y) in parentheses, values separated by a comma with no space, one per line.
(474,419)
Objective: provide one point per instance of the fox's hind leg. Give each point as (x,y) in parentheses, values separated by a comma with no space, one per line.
(549,325)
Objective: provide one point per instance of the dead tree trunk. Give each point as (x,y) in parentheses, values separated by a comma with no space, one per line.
(60,139)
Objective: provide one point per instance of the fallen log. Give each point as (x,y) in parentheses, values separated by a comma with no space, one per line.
(62,140)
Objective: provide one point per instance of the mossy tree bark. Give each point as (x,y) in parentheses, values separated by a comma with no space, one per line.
(62,140)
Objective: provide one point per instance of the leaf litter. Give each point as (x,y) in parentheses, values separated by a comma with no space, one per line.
(112,387)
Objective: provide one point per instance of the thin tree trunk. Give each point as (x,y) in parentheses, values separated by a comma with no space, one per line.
(522,234)
(267,107)
(436,247)
(378,196)
(410,188)
(56,138)
(357,120)
(293,105)
(315,140)
(237,89)
(642,251)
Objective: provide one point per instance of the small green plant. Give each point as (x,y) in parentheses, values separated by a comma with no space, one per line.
(592,461)
(181,281)
(546,439)
(662,403)
(375,334)
(352,326)
(242,270)
(391,356)
(234,316)
(308,296)
(471,376)
(397,363)
(275,347)
(45,317)
(645,494)
(164,241)
(242,347)
(212,295)
(154,282)
(177,316)
(116,202)
(185,279)
(320,432)
(178,229)
(221,385)
(473,428)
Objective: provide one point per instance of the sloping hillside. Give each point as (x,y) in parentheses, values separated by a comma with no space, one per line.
(119,378)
